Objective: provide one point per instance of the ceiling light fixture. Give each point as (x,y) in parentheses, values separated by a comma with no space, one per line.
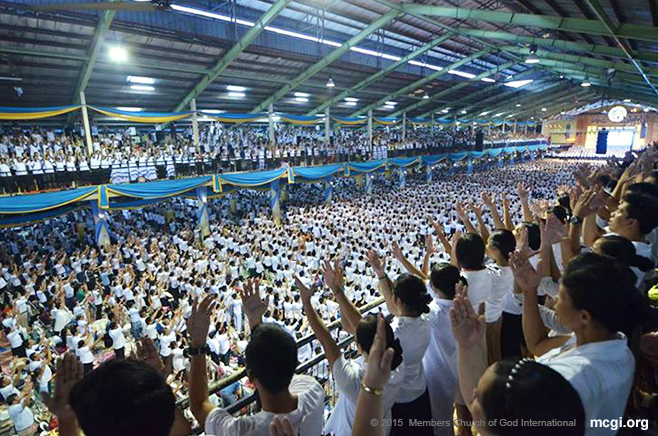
(302,94)
(237,94)
(330,83)
(351,99)
(143,88)
(129,109)
(236,88)
(426,96)
(118,54)
(141,80)
(586,84)
(350,103)
(301,99)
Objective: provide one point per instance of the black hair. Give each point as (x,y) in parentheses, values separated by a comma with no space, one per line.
(411,290)
(271,357)
(534,235)
(444,277)
(470,251)
(504,241)
(644,188)
(623,251)
(506,399)
(606,289)
(644,209)
(123,397)
(561,213)
(365,336)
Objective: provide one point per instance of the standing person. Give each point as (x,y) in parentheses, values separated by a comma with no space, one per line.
(270,360)
(118,340)
(347,373)
(20,412)
(408,300)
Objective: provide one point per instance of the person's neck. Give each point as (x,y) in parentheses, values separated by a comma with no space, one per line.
(632,235)
(283,402)
(588,336)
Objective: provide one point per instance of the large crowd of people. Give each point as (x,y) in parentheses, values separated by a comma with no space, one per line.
(509,293)
(40,159)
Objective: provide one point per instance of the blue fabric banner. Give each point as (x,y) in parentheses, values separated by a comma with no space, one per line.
(33,218)
(366,167)
(477,154)
(493,152)
(317,173)
(159,189)
(403,161)
(454,157)
(40,202)
(250,180)
(434,159)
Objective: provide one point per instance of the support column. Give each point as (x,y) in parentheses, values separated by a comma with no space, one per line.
(526,128)
(402,181)
(328,190)
(101,228)
(327,125)
(404,126)
(504,125)
(275,201)
(203,221)
(233,204)
(85,121)
(368,181)
(514,126)
(195,123)
(370,129)
(470,165)
(270,116)
(428,174)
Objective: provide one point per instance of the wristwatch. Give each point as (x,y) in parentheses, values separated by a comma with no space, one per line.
(575,220)
(196,351)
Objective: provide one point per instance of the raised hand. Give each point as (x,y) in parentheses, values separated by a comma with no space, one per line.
(198,323)
(486,199)
(254,307)
(459,207)
(467,326)
(69,372)
(553,231)
(477,210)
(522,191)
(377,264)
(304,292)
(147,354)
(525,274)
(588,203)
(378,368)
(396,251)
(333,275)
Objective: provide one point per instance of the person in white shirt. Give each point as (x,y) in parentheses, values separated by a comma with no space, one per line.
(118,340)
(16,341)
(408,300)
(510,390)
(348,374)
(20,412)
(598,301)
(271,360)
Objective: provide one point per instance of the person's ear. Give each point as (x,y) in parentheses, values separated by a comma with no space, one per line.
(585,317)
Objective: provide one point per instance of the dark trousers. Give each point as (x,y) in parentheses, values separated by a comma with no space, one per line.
(404,413)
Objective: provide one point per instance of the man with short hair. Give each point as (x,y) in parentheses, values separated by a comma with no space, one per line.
(270,360)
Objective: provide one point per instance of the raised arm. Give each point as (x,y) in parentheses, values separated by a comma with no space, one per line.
(463,217)
(254,307)
(396,251)
(198,325)
(468,328)
(534,331)
(429,251)
(482,227)
(334,279)
(488,201)
(321,332)
(385,284)
(523,196)
(441,235)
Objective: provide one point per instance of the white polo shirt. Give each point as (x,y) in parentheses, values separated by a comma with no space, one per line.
(414,336)
(601,373)
(306,419)
(348,375)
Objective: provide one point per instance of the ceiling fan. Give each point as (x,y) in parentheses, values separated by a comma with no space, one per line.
(147,6)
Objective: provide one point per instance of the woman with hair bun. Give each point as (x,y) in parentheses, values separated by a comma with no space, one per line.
(511,392)
(348,374)
(407,299)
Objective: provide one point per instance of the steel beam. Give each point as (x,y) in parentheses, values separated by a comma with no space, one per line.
(102,28)
(615,32)
(506,95)
(540,97)
(594,27)
(557,44)
(234,52)
(324,62)
(574,59)
(421,82)
(378,75)
(456,87)
(555,100)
